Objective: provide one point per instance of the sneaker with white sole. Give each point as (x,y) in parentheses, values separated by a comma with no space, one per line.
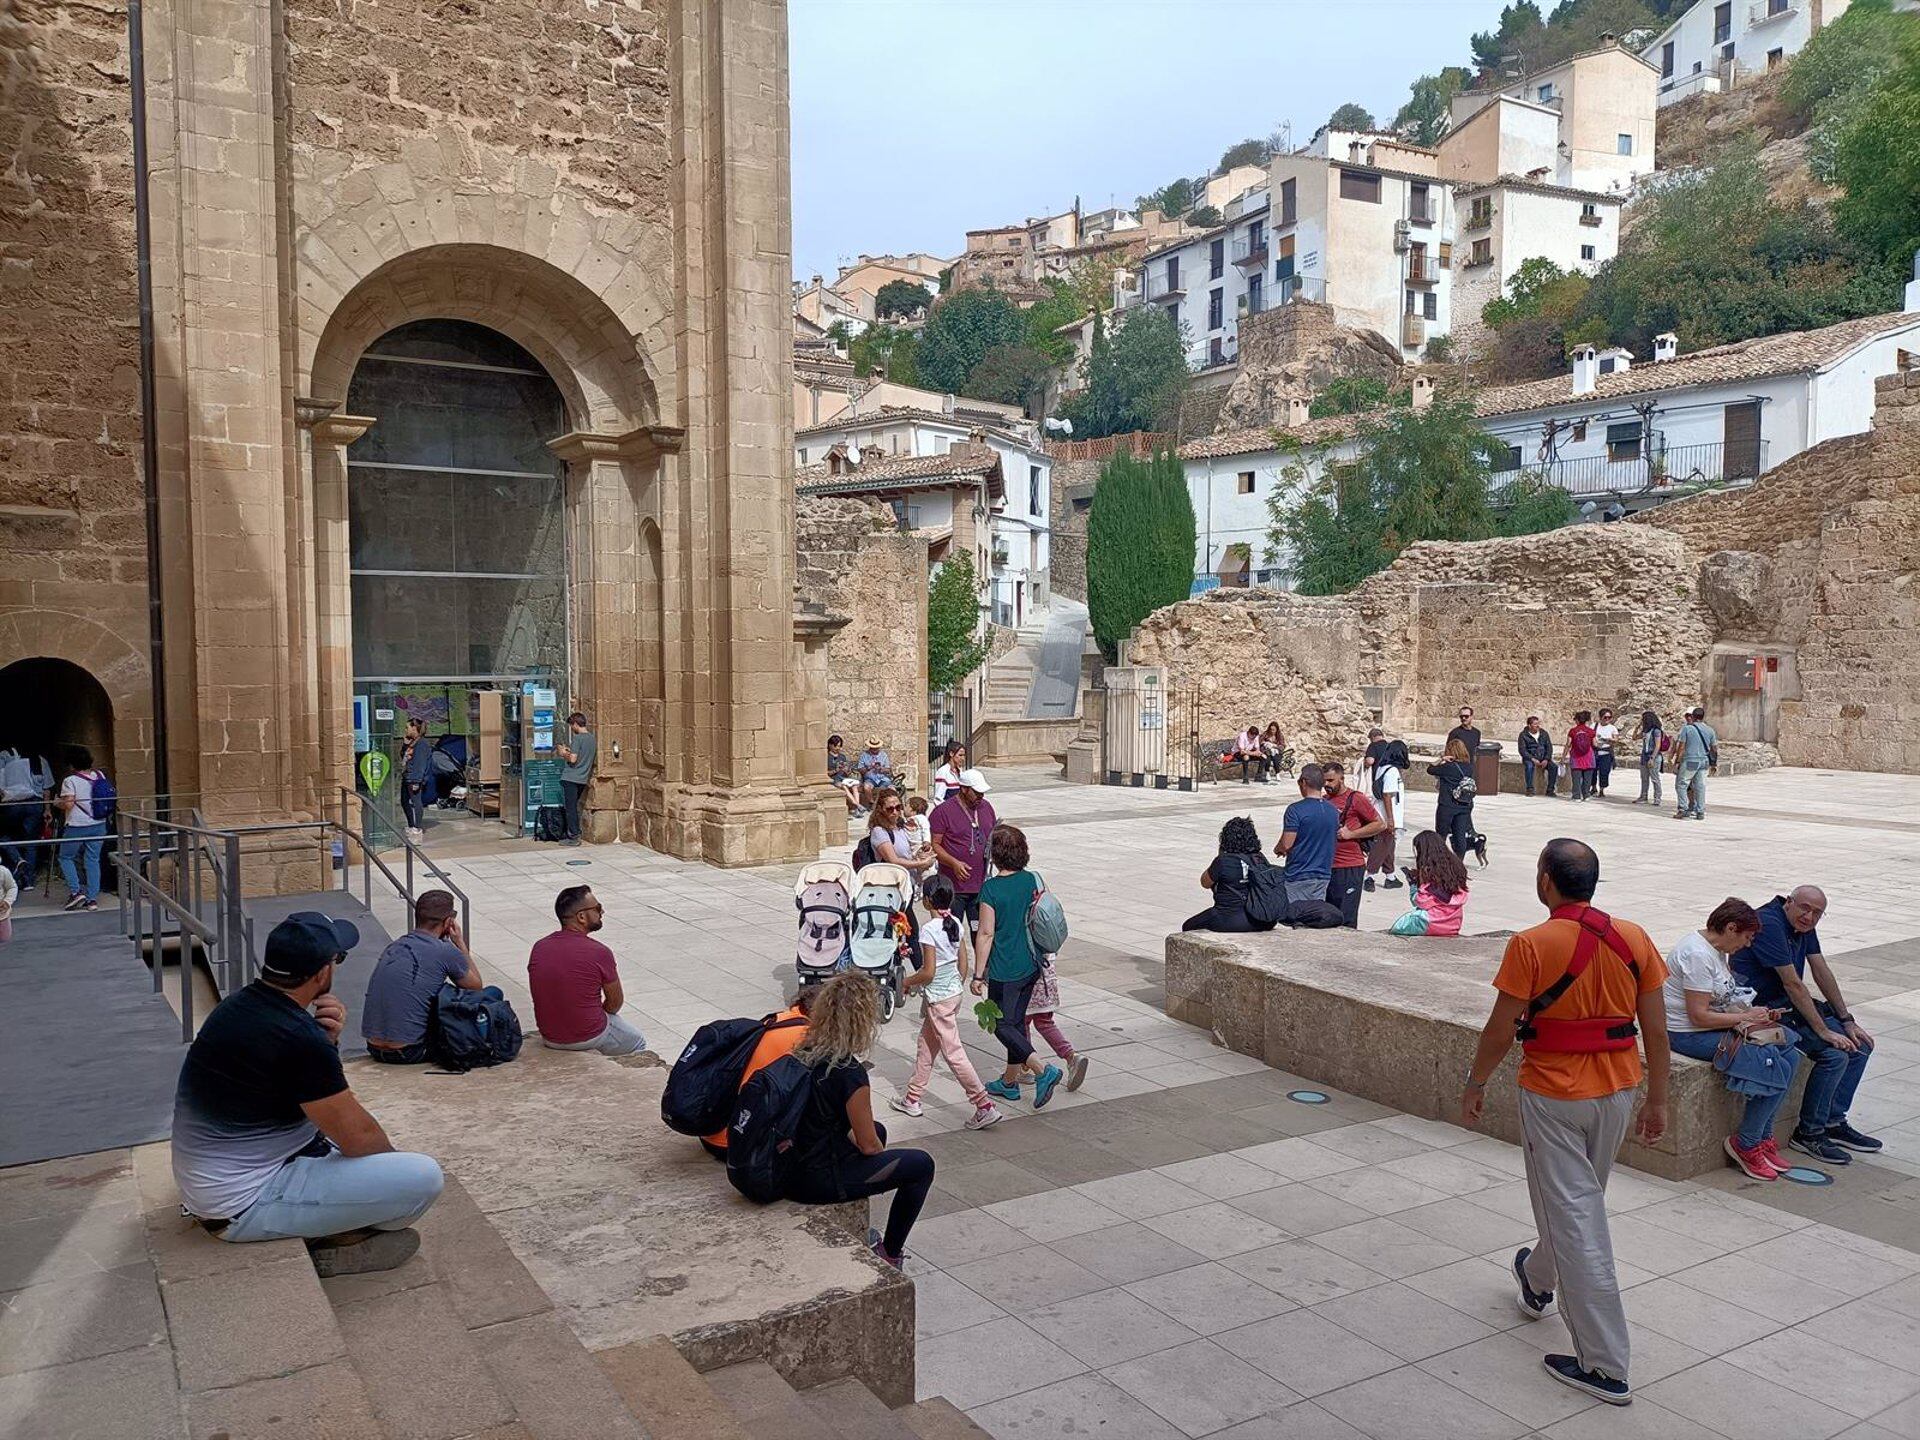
(906,1106)
(983,1117)
(1077,1072)
(1534,1304)
(1567,1370)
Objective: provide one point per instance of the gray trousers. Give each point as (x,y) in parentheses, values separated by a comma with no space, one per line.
(1570,1145)
(621,1037)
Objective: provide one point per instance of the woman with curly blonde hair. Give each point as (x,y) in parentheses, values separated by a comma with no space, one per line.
(843,1150)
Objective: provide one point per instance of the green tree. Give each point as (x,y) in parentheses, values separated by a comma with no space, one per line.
(1172,199)
(1062,306)
(1349,395)
(1012,375)
(1091,279)
(1418,475)
(1831,82)
(1205,216)
(1520,28)
(1247,152)
(1136,376)
(960,331)
(886,351)
(1877,159)
(1426,116)
(1140,539)
(1351,117)
(957,644)
(900,298)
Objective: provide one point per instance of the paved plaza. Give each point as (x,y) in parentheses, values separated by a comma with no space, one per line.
(1180,1249)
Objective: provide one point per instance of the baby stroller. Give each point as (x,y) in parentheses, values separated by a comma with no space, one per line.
(886,936)
(824,897)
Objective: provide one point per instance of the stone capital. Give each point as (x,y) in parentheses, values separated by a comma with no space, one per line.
(649,442)
(340,430)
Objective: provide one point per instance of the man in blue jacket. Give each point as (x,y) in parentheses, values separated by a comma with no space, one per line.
(1774,966)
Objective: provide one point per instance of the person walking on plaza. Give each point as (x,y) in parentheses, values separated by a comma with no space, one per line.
(1389,786)
(1571,989)
(1536,756)
(1453,813)
(1697,755)
(1604,735)
(962,828)
(1774,967)
(1309,831)
(1012,968)
(945,972)
(575,982)
(416,773)
(1582,758)
(269,1143)
(85,831)
(579,753)
(407,978)
(1653,754)
(1704,1002)
(1360,822)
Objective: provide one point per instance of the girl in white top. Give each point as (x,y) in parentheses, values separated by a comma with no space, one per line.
(947,778)
(946,967)
(1604,734)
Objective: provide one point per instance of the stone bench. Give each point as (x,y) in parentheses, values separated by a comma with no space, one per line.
(1397,1021)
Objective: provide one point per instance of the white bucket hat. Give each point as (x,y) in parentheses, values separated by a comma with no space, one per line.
(974,780)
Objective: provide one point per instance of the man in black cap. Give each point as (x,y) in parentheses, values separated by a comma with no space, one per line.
(268,1140)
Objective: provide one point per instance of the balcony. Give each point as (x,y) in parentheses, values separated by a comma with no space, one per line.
(1427,218)
(1162,286)
(1480,217)
(1298,287)
(1424,273)
(1251,250)
(1676,467)
(1765,12)
(1478,256)
(1593,219)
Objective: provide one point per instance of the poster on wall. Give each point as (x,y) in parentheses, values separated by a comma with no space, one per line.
(543,703)
(362,726)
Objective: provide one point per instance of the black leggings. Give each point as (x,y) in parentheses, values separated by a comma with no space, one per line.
(1225,919)
(1458,828)
(1012,997)
(413,800)
(907,1172)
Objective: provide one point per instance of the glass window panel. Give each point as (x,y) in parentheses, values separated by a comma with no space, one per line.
(428,625)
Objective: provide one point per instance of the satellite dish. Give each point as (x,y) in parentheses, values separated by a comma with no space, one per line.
(1057,425)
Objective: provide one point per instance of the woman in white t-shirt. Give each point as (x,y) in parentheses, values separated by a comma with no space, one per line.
(1390,790)
(84,833)
(947,778)
(1704,1000)
(1604,734)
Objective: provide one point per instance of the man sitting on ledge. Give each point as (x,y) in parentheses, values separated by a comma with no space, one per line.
(408,976)
(576,984)
(269,1143)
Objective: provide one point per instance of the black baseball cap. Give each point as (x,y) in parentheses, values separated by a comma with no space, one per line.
(305,943)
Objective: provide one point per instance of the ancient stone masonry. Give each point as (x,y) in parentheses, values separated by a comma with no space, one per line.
(1290,353)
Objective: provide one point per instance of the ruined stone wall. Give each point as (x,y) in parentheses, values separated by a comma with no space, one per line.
(851,562)
(1068,539)
(73,582)
(1291,353)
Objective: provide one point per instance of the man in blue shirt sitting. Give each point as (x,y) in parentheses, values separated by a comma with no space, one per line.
(1309,831)
(1774,966)
(407,977)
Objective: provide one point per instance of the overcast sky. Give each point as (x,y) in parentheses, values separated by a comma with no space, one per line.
(917,120)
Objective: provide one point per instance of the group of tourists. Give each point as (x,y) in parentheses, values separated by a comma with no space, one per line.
(76,814)
(861,776)
(1592,746)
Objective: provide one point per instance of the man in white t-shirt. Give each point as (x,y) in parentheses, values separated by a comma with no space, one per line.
(1604,734)
(1389,786)
(84,834)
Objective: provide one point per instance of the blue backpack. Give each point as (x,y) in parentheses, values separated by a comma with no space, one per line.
(704,1083)
(472,1029)
(106,799)
(763,1141)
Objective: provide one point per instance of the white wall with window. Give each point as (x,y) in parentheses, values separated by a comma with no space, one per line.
(1209,283)
(1716,43)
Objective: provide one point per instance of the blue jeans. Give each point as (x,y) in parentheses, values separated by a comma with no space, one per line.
(1534,767)
(1836,1074)
(1757,1123)
(313,1196)
(84,841)
(1690,785)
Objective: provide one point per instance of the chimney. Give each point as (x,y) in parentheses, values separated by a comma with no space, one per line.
(837,459)
(977,438)
(1586,370)
(816,282)
(1297,413)
(1912,301)
(871,453)
(1666,346)
(1607,37)
(1616,360)
(946,404)
(1353,151)
(1422,391)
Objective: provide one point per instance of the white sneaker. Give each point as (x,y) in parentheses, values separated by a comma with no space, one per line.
(415,833)
(906,1106)
(986,1115)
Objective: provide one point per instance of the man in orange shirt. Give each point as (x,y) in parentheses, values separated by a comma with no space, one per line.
(1572,989)
(777,1041)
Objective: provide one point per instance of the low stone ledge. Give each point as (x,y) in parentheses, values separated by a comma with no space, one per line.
(1396,1021)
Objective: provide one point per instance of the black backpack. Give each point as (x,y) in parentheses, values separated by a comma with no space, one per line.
(705,1081)
(863,852)
(763,1141)
(1266,891)
(472,1029)
(1394,755)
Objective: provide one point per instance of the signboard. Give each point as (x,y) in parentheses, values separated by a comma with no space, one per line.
(540,786)
(362,740)
(374,767)
(541,702)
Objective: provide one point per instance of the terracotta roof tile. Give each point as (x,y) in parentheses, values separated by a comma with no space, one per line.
(1260,438)
(962,465)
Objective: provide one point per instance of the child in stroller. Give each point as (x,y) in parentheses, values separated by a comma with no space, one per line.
(886,936)
(823,894)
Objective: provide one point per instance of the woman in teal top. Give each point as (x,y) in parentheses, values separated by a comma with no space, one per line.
(1012,967)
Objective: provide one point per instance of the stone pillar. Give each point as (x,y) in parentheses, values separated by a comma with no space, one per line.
(328,436)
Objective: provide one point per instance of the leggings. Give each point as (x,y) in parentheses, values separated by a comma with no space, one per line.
(1458,828)
(1012,997)
(1055,1037)
(413,800)
(858,1177)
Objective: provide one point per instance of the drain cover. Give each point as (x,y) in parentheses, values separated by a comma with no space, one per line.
(1807,1175)
(577,863)
(1306,1097)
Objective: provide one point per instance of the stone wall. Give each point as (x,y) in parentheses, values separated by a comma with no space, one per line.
(852,563)
(1067,542)
(1291,352)
(73,586)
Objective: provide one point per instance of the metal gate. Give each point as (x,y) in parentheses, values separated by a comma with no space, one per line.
(949,717)
(1151,738)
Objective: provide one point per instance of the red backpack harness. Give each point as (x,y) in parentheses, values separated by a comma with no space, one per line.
(1543,1034)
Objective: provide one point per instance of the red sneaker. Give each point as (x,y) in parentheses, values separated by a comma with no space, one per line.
(1754,1162)
(1774,1157)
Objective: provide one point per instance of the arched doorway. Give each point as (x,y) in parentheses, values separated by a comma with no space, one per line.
(48,706)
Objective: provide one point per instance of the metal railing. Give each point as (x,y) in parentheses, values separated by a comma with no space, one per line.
(1299,287)
(1162,286)
(1675,466)
(1250,249)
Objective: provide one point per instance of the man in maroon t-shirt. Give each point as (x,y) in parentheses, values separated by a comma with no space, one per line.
(576,985)
(962,827)
(1360,820)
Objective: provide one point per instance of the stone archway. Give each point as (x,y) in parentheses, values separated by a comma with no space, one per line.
(92,685)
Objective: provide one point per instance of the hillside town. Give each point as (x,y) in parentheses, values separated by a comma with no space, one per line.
(667,772)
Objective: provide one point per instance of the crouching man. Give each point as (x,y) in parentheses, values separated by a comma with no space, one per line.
(269,1142)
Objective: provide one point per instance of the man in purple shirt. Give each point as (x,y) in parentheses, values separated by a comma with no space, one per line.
(962,828)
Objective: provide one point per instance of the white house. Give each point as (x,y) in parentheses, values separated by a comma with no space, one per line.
(1206,282)
(1601,106)
(1716,43)
(1511,220)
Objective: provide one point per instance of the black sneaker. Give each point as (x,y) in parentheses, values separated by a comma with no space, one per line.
(362,1252)
(1566,1369)
(1818,1146)
(1533,1303)
(1844,1134)
(1367,885)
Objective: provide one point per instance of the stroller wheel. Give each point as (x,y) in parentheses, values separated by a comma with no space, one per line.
(887,1002)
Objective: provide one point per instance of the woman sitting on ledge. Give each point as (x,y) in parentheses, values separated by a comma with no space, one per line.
(1228,877)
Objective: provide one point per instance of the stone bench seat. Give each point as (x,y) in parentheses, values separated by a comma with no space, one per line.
(1397,1021)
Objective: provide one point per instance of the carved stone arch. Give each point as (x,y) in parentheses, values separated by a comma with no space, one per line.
(116,664)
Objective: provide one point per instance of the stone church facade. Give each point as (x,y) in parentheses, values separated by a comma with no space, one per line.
(470,352)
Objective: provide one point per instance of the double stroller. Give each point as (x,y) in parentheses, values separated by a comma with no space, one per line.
(857,920)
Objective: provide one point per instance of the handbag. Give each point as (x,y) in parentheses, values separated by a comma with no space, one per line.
(1753,1066)
(1045,998)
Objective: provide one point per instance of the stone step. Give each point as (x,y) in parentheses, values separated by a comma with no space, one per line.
(766,1406)
(672,1399)
(940,1419)
(425,1376)
(855,1412)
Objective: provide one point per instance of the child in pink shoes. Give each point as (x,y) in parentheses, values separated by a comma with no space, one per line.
(946,967)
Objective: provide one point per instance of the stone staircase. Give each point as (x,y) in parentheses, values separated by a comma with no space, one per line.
(129,1323)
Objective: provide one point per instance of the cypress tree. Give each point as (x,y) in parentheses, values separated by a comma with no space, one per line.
(1140,541)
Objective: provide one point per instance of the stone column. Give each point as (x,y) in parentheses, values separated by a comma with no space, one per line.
(328,436)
